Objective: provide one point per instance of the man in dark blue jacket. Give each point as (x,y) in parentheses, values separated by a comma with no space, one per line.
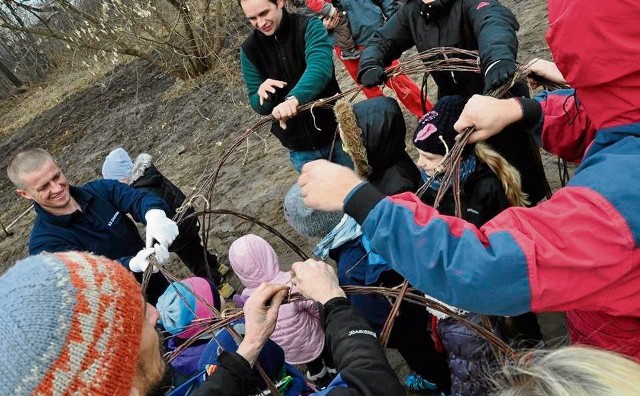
(92,217)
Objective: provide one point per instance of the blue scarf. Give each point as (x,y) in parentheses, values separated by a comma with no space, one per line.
(467,167)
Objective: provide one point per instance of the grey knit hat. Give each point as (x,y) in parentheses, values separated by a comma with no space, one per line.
(306,221)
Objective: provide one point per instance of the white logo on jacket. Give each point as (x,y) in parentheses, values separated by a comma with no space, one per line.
(113,219)
(367,332)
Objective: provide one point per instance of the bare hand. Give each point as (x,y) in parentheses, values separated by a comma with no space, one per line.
(269,86)
(261,315)
(488,115)
(332,22)
(316,280)
(545,69)
(285,110)
(324,185)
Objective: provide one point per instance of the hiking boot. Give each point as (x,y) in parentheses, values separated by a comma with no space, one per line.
(226,290)
(222,269)
(351,54)
(415,382)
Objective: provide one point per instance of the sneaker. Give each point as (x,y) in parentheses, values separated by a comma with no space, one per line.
(322,379)
(223,269)
(415,382)
(226,290)
(351,54)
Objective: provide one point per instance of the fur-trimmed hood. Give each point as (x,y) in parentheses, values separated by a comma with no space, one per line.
(373,133)
(140,165)
(381,127)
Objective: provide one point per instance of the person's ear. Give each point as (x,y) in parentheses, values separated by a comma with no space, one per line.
(23,194)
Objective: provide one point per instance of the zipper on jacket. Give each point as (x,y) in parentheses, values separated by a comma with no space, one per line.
(453,76)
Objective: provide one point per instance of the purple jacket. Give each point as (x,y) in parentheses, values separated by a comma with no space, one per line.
(299,330)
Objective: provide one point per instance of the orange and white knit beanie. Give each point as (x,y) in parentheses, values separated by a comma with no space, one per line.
(70,323)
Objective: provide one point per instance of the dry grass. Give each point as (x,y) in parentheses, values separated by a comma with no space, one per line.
(18,111)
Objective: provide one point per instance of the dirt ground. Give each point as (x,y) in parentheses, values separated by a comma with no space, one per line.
(186,127)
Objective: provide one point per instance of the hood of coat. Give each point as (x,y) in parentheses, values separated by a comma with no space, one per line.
(254,261)
(380,123)
(596,51)
(143,172)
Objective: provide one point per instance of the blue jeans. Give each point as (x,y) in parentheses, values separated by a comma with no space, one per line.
(299,158)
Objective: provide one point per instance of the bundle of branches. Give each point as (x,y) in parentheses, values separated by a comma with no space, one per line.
(219,320)
(439,59)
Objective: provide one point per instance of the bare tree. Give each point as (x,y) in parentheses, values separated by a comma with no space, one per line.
(182,37)
(10,75)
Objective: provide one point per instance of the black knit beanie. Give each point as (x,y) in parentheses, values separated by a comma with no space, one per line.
(437,125)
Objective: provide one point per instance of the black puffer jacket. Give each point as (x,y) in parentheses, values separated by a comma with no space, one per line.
(383,133)
(471,358)
(468,24)
(145,177)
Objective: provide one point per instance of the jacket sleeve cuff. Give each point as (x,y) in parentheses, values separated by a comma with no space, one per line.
(330,306)
(531,111)
(235,363)
(359,202)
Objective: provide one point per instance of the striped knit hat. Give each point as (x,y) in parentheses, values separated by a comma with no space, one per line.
(70,323)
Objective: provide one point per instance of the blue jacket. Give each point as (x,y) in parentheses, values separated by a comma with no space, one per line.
(102,226)
(365,16)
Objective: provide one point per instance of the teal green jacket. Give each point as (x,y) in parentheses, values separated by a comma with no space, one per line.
(300,54)
(318,73)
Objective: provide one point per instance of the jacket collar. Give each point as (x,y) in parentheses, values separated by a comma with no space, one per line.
(286,24)
(83,198)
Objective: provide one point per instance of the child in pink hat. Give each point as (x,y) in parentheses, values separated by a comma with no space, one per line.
(299,330)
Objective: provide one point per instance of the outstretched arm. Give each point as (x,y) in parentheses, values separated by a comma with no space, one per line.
(354,346)
(546,258)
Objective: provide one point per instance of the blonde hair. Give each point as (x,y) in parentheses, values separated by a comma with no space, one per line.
(507,173)
(569,371)
(25,162)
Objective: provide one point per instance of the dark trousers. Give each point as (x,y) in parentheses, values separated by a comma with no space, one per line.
(324,360)
(411,337)
(522,331)
(197,259)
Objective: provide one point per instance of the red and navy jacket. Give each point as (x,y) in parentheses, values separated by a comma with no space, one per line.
(576,252)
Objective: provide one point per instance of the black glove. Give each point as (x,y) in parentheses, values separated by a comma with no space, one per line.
(373,76)
(498,74)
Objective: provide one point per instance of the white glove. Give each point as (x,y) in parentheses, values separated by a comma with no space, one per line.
(160,228)
(140,261)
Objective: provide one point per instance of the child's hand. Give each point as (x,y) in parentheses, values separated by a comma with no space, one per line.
(331,22)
